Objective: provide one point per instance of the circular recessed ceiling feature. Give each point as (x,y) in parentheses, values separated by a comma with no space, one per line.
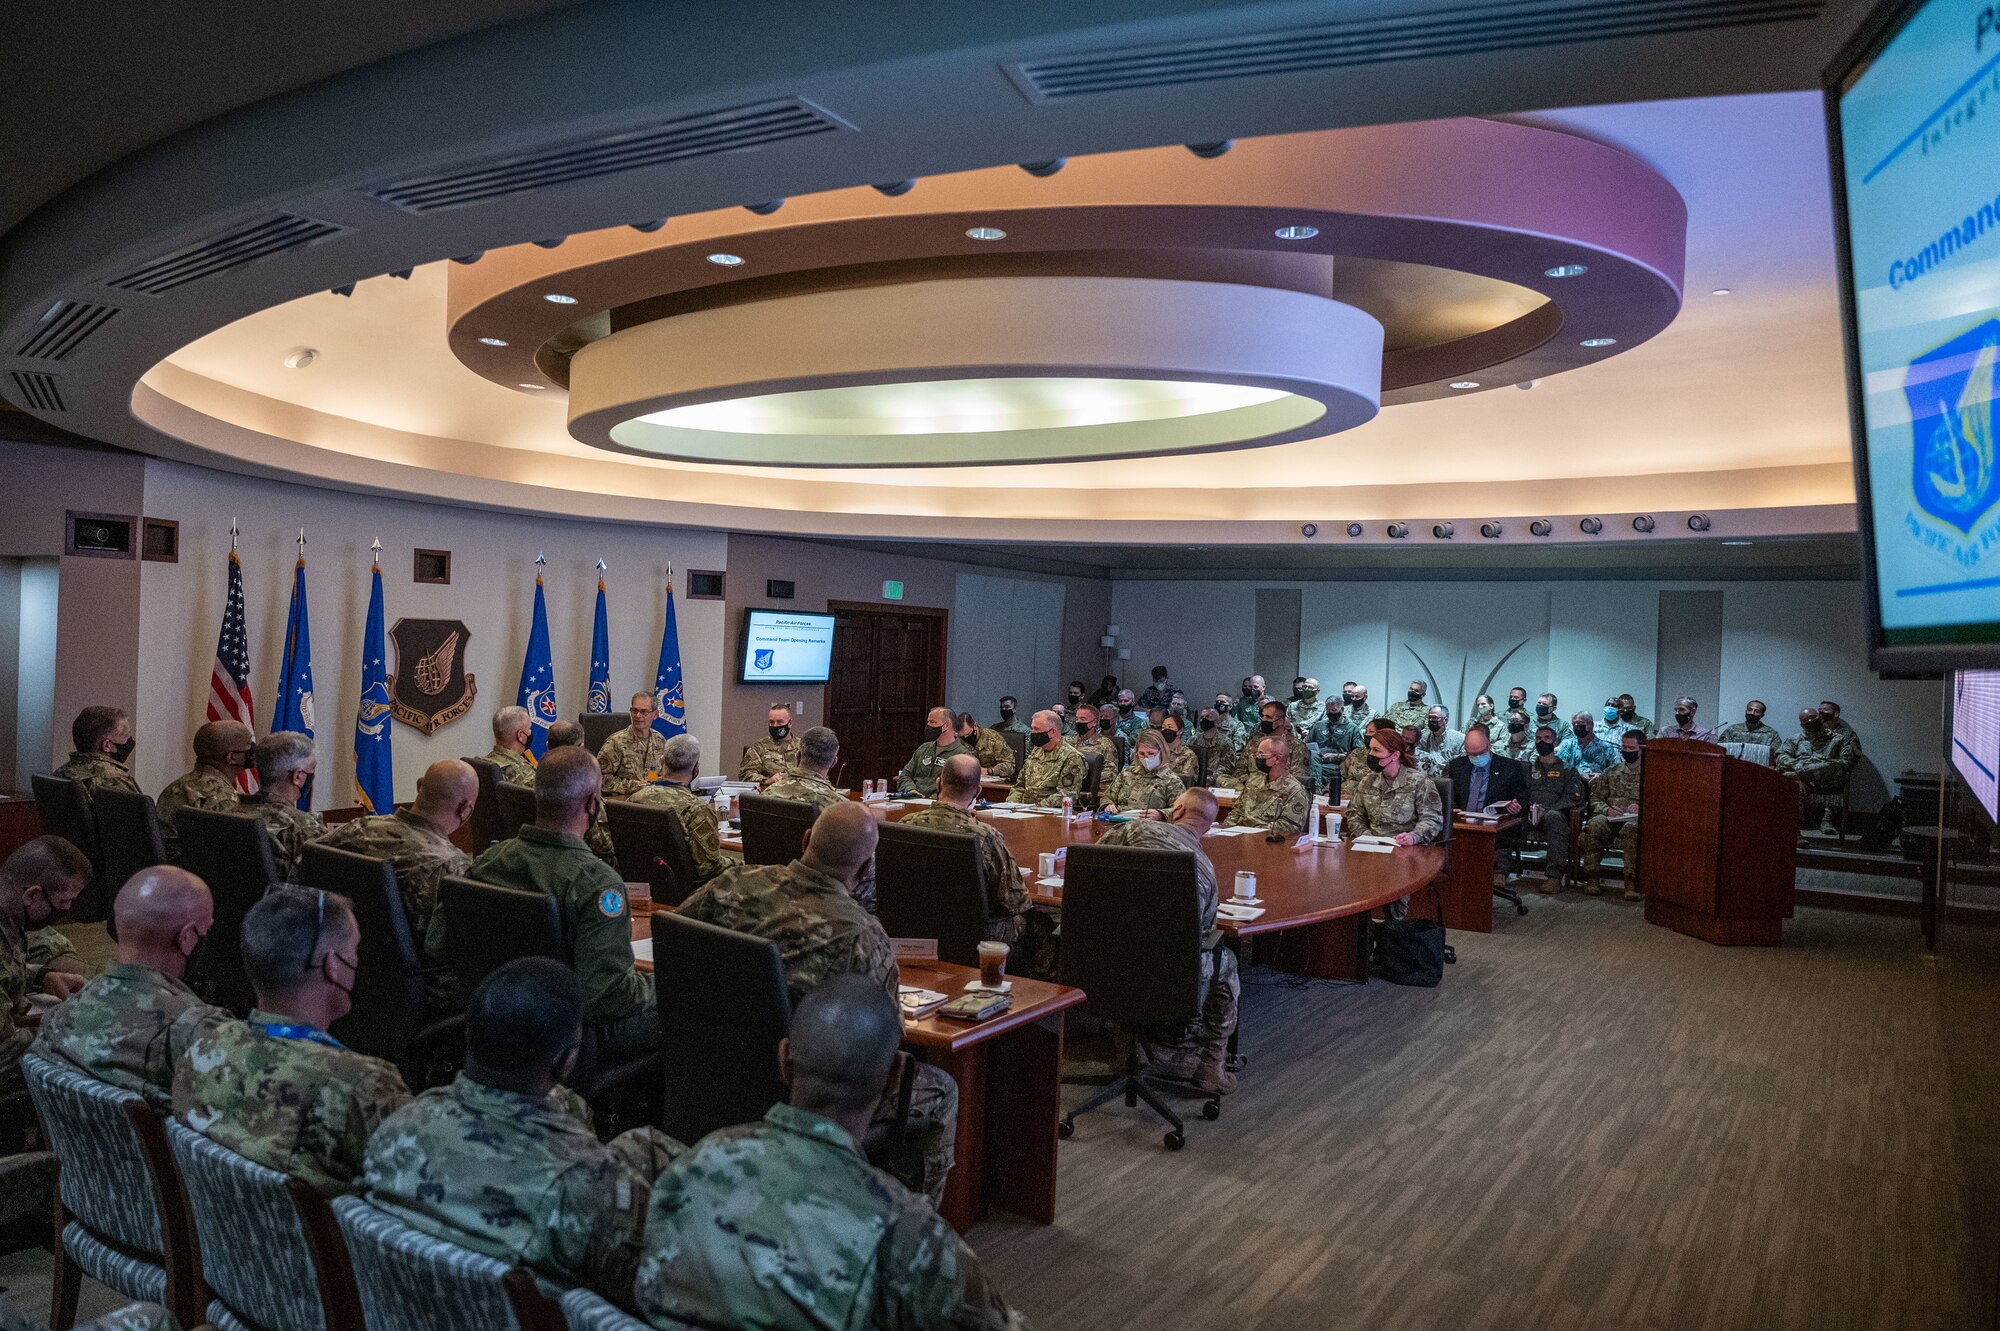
(726,260)
(986,233)
(1566,270)
(1296,232)
(557,298)
(980,371)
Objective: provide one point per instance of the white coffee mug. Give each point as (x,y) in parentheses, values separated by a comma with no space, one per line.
(1246,883)
(1046,862)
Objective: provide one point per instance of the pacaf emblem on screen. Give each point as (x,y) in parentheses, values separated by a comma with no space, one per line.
(761,659)
(1954,478)
(430,688)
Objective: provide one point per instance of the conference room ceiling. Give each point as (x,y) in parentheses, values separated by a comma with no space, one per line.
(1686,422)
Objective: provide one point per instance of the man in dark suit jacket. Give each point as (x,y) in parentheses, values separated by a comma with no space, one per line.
(1481,777)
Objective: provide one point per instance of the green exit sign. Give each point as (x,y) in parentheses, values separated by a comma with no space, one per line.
(892,591)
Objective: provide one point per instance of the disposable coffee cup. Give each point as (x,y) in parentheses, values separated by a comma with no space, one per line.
(1046,862)
(992,963)
(1246,883)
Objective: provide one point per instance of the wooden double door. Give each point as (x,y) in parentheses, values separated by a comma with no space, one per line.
(888,672)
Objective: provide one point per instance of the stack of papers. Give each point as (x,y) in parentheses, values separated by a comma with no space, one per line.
(1374,847)
(1053,884)
(1235,831)
(917,1002)
(1231,911)
(1011,813)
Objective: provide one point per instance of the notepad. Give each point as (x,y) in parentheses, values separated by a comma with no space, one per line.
(917,1002)
(1229,911)
(1235,831)
(1373,847)
(1223,792)
(1054,884)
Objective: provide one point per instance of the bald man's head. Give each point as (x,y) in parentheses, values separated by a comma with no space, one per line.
(162,913)
(958,779)
(446,793)
(1195,808)
(841,1046)
(841,841)
(225,745)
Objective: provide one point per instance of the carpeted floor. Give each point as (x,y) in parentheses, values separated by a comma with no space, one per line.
(1593,1123)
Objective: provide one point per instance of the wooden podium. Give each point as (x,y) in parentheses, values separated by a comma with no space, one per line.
(1717,843)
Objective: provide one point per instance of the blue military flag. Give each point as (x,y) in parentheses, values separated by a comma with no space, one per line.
(599,700)
(374,772)
(295,670)
(538,674)
(668,695)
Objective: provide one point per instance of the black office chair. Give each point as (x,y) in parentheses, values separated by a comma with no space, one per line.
(929,884)
(774,830)
(387,1019)
(600,726)
(487,825)
(652,848)
(1093,780)
(231,852)
(64,812)
(1132,941)
(128,836)
(723,1008)
(517,807)
(1019,744)
(487,926)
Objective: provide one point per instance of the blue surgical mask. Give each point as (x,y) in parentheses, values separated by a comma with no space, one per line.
(1611,714)
(1480,759)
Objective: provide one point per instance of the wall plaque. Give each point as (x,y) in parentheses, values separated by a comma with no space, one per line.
(430,689)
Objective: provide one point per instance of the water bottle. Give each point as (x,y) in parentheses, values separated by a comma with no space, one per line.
(1069,809)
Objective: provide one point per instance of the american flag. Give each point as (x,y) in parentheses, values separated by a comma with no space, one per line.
(229,684)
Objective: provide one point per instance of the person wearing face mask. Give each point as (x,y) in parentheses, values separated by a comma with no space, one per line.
(1517,700)
(103,753)
(1007,909)
(1132,719)
(1829,716)
(1438,743)
(551,856)
(1094,734)
(1356,696)
(417,840)
(1480,778)
(674,789)
(1753,730)
(1554,789)
(1356,761)
(1053,767)
(1106,691)
(285,763)
(1615,795)
(1583,750)
(996,759)
(513,728)
(941,741)
(1393,798)
(1629,718)
(277,1088)
(1147,786)
(1484,713)
(1820,759)
(134,1021)
(1215,747)
(1226,722)
(1514,737)
(38,884)
(1307,709)
(1159,692)
(1269,796)
(1074,697)
(1010,719)
(1246,707)
(775,754)
(1299,758)
(1180,756)
(221,755)
(1329,735)
(1547,713)
(1684,726)
(1411,711)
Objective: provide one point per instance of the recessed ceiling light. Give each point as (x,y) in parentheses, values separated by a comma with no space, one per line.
(1739,543)
(1598,342)
(986,233)
(300,357)
(1465,383)
(494,341)
(726,260)
(557,298)
(533,388)
(1296,232)
(1720,291)
(1566,270)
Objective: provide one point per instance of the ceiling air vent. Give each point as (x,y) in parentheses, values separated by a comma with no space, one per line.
(39,391)
(734,130)
(1476,30)
(63,329)
(243,244)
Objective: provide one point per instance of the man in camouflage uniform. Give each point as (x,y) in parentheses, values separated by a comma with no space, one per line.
(782,1224)
(512,729)
(1215,747)
(51,953)
(417,841)
(632,757)
(1629,719)
(1271,797)
(285,763)
(1226,723)
(1829,716)
(807,783)
(503,1160)
(1393,797)
(1615,792)
(808,909)
(1053,768)
(773,755)
(1246,707)
(1438,743)
(1548,712)
(1299,759)
(1304,712)
(1554,788)
(996,757)
(1093,735)
(1820,759)
(134,1022)
(1515,738)
(920,773)
(1006,898)
(567,734)
(103,753)
(1010,716)
(221,753)
(1158,693)
(1200,1052)
(1181,758)
(277,1089)
(550,855)
(1412,710)
(680,765)
(1752,730)
(1130,720)
(1146,782)
(38,883)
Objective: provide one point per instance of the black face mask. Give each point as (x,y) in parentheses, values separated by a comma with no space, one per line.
(1516,704)
(1173,736)
(1545,747)
(197,958)
(1207,724)
(1684,718)
(1517,727)
(1752,720)
(1437,725)
(1631,757)
(1579,731)
(1006,714)
(1074,697)
(1543,709)
(1249,692)
(1374,763)
(1267,727)
(779,732)
(1627,713)
(1416,695)
(1044,738)
(124,751)
(1264,766)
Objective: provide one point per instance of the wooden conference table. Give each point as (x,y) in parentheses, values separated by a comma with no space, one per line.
(1009,1075)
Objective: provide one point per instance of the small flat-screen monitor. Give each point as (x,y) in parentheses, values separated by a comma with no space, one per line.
(1975,735)
(1913,108)
(786,647)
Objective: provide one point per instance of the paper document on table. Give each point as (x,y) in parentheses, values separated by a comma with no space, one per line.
(1009,813)
(1373,847)
(1620,817)
(1375,841)
(1495,811)
(1234,831)
(1223,792)
(1240,914)
(1054,884)
(642,949)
